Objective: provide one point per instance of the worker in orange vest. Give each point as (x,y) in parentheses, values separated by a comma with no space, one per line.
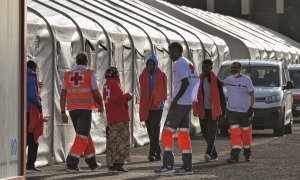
(80,94)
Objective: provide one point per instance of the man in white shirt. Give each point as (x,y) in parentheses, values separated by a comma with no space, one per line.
(240,93)
(186,84)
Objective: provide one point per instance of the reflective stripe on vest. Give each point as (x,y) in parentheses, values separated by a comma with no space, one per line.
(78,88)
(72,101)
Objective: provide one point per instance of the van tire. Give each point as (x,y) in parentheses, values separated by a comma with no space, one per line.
(280,131)
(289,127)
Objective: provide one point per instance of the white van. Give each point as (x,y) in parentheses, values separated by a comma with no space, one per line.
(273,94)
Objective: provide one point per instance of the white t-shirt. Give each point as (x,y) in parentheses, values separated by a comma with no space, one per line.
(183,68)
(238,93)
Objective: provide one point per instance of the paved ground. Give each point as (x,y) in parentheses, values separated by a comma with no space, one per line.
(273,158)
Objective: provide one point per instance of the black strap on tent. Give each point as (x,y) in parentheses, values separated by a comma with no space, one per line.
(102,46)
(88,43)
(166,50)
(58,47)
(136,51)
(160,50)
(209,54)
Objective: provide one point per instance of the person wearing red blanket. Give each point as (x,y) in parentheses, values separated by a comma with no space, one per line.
(153,93)
(117,114)
(80,95)
(34,112)
(210,106)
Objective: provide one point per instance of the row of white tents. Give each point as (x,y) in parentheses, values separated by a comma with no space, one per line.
(123,34)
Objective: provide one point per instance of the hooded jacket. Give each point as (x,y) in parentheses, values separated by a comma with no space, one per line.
(153,89)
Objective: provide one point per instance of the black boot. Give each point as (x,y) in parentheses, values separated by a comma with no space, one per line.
(119,167)
(247,154)
(234,155)
(151,157)
(157,157)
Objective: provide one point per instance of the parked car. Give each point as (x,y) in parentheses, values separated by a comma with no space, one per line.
(273,94)
(294,71)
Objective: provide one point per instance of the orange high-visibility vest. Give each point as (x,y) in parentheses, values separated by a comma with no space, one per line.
(79,89)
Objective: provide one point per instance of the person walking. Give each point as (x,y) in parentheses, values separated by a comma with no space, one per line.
(241,99)
(153,93)
(210,106)
(79,95)
(186,84)
(34,117)
(118,118)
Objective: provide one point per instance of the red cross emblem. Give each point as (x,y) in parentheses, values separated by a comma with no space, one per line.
(106,93)
(192,68)
(76,79)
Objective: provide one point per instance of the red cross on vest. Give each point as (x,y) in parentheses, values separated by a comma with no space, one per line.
(76,79)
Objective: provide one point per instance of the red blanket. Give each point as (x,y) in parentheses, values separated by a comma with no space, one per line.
(214,96)
(159,92)
(36,122)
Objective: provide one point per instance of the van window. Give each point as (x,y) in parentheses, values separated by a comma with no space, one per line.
(266,76)
(295,77)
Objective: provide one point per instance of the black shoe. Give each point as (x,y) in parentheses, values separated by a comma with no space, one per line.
(121,169)
(32,170)
(232,160)
(151,158)
(73,170)
(97,166)
(157,157)
(112,170)
(248,158)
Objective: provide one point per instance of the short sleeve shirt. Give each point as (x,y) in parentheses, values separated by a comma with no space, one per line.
(238,90)
(183,68)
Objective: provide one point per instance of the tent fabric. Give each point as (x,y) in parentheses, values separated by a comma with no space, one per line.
(262,43)
(135,30)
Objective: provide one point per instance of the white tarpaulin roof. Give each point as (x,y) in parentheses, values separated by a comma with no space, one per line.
(262,43)
(124,34)
(58,30)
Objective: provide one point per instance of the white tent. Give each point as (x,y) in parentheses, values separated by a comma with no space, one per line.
(124,33)
(58,30)
(261,42)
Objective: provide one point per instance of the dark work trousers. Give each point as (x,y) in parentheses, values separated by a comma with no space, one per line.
(209,129)
(153,128)
(32,147)
(81,119)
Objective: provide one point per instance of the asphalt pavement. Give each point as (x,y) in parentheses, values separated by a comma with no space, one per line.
(273,158)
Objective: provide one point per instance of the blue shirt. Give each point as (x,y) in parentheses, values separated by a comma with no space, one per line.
(32,95)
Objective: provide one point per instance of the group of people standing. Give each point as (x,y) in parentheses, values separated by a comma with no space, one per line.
(204,94)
